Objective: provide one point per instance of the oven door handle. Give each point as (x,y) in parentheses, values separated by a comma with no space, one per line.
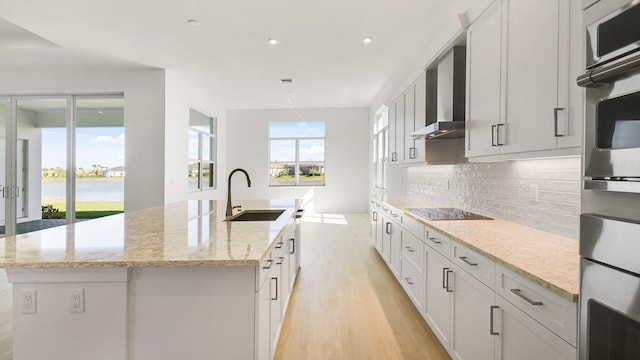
(602,74)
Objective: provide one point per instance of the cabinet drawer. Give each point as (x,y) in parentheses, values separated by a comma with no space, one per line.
(438,242)
(475,264)
(264,269)
(413,250)
(554,312)
(413,283)
(412,225)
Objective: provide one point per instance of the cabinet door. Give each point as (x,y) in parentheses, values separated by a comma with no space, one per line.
(374,226)
(532,67)
(285,285)
(393,154)
(293,247)
(386,239)
(274,283)
(396,248)
(409,123)
(472,301)
(264,322)
(523,338)
(484,75)
(420,115)
(399,128)
(438,304)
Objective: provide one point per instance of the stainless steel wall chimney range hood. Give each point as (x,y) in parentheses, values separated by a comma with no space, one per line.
(450,103)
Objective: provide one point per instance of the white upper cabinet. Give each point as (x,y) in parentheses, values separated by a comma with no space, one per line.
(415,105)
(518,80)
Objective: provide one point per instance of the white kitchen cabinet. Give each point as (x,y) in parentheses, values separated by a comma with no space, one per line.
(263,326)
(415,105)
(518,80)
(484,73)
(472,304)
(438,295)
(375,231)
(521,337)
(400,124)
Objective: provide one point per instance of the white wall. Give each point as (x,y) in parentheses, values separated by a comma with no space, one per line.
(346,156)
(144,113)
(181,95)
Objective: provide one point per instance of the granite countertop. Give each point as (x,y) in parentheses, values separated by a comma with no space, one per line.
(188,233)
(549,260)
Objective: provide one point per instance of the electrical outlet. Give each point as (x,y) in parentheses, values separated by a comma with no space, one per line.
(29,301)
(76,300)
(533,192)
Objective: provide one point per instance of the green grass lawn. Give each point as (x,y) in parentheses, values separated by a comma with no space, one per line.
(303,179)
(91,210)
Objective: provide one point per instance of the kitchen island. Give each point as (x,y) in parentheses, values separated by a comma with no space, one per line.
(173,281)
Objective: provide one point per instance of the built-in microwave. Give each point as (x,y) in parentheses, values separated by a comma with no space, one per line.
(613,35)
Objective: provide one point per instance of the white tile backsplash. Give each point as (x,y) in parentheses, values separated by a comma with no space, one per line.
(506,190)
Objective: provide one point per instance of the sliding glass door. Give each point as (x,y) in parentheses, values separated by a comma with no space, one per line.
(59,156)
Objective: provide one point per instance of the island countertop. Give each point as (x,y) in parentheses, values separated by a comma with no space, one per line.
(188,233)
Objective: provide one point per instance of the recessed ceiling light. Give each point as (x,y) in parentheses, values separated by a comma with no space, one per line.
(272,41)
(193,22)
(367,39)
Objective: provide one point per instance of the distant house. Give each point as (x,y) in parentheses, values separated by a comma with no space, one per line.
(279,168)
(113,172)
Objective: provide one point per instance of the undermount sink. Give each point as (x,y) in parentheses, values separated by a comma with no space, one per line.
(256,215)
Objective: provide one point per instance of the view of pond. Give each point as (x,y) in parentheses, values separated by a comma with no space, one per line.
(94,190)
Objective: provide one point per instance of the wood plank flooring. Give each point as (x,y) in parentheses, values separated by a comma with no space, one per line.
(6,323)
(346,304)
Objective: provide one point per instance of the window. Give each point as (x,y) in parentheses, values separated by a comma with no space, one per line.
(296,153)
(380,148)
(202,151)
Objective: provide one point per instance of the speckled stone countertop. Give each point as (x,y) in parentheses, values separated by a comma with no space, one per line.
(549,260)
(189,233)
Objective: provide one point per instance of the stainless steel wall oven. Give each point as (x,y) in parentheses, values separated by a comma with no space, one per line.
(610,219)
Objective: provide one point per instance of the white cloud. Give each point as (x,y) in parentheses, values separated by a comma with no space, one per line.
(110,139)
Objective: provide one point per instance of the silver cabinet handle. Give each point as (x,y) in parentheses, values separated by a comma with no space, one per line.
(409,248)
(389,228)
(555,122)
(408,280)
(375,216)
(464,258)
(412,153)
(444,274)
(394,156)
(498,143)
(279,245)
(293,246)
(434,240)
(447,277)
(491,331)
(276,288)
(493,131)
(268,266)
(519,293)
(280,260)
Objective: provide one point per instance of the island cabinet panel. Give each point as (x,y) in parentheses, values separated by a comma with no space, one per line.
(191,313)
(53,332)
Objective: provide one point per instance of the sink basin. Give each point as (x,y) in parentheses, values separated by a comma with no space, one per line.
(256,215)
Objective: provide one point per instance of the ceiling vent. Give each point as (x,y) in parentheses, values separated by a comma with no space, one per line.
(286,81)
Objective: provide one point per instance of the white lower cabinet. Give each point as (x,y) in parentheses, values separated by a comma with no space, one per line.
(472,302)
(477,309)
(521,337)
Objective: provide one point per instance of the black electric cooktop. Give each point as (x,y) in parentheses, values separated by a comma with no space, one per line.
(447,214)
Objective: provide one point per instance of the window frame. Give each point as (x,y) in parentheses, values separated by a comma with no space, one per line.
(380,151)
(297,162)
(201,161)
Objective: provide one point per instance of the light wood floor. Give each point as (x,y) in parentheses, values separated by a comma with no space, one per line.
(5,317)
(346,304)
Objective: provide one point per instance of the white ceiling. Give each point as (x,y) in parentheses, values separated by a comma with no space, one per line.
(227,54)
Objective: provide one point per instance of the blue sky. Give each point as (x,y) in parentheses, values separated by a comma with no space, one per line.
(284,150)
(100,146)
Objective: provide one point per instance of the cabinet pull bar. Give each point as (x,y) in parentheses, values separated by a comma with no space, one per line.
(276,291)
(394,155)
(519,293)
(268,266)
(493,131)
(498,143)
(464,258)
(408,280)
(280,260)
(434,240)
(491,331)
(555,122)
(375,216)
(409,249)
(279,245)
(447,276)
(444,272)
(293,246)
(388,228)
